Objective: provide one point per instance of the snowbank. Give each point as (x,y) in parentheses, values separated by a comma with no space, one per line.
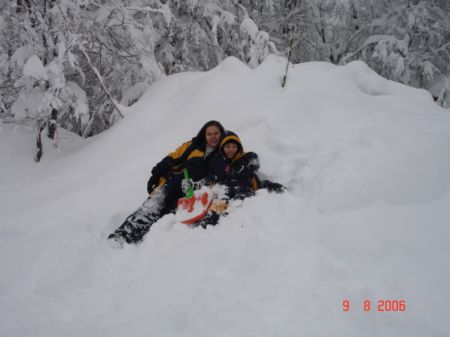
(367,163)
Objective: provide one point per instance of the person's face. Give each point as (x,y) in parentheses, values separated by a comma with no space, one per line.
(230,150)
(212,135)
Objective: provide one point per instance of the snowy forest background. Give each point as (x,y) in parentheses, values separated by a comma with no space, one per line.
(46,47)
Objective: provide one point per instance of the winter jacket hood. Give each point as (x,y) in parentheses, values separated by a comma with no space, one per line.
(231,137)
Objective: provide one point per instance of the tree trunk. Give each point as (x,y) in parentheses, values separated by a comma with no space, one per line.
(39,149)
(283,81)
(52,124)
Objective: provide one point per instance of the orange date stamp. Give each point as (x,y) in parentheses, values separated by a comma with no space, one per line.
(379,306)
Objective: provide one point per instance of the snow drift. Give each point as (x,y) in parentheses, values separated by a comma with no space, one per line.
(367,164)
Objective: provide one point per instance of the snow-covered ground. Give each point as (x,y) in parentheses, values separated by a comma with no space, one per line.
(367,163)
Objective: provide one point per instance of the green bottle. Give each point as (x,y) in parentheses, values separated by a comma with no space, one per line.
(190,191)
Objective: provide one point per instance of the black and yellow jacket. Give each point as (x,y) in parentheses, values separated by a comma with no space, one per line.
(189,155)
(239,171)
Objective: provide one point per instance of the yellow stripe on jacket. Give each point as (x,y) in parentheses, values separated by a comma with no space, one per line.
(180,150)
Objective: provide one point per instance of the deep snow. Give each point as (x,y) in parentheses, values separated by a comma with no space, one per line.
(367,163)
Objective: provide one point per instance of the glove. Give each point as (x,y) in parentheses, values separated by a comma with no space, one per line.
(246,167)
(273,187)
(198,184)
(211,180)
(152,184)
(186,184)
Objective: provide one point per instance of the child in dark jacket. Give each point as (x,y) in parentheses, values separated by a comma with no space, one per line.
(236,170)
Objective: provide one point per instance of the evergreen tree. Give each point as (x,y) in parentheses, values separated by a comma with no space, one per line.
(46,79)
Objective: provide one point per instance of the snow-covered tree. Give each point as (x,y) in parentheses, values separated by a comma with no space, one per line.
(403,40)
(37,91)
(119,38)
(203,33)
(66,62)
(409,42)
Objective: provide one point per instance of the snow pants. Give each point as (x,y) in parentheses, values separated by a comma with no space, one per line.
(163,201)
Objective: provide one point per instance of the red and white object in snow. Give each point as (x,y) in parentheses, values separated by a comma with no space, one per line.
(191,210)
